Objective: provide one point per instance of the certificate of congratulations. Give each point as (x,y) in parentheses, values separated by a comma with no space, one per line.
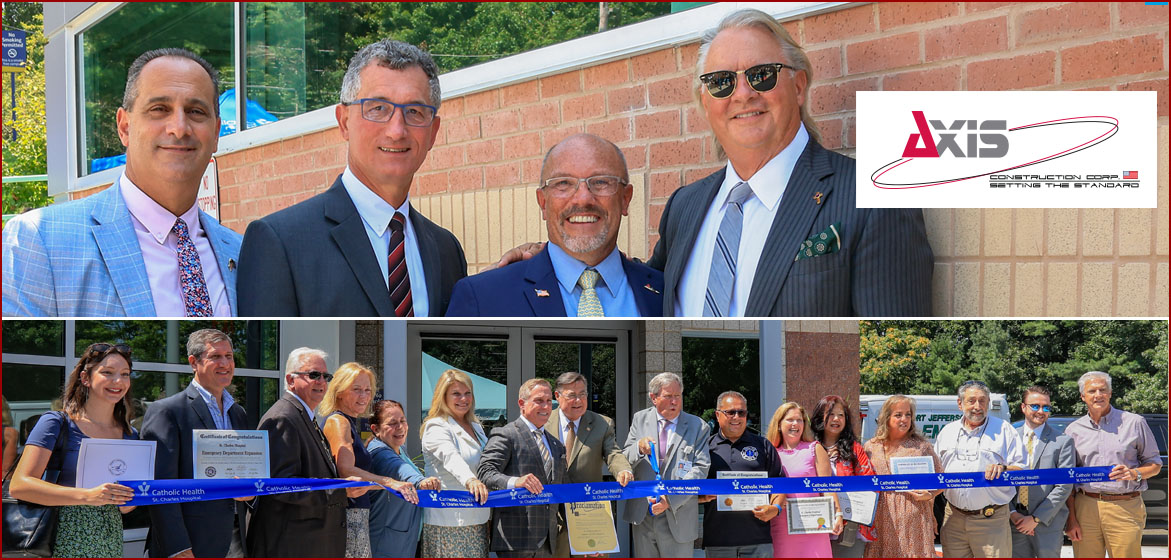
(912,465)
(740,502)
(230,454)
(810,515)
(110,460)
(591,528)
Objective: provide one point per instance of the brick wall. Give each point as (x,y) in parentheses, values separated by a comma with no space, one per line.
(822,363)
(1025,262)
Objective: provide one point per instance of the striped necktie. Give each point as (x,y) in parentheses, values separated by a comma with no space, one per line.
(721,278)
(398,280)
(191,283)
(546,459)
(589,305)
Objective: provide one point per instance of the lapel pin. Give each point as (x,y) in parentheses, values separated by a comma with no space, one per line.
(648,286)
(817,197)
(231,264)
(542,293)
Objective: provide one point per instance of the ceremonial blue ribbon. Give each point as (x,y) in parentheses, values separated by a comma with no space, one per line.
(153,492)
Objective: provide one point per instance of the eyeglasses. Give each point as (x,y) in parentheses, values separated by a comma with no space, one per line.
(1044,407)
(573,396)
(762,77)
(381,110)
(734,413)
(315,375)
(599,185)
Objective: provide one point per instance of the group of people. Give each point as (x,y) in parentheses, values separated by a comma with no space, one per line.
(315,432)
(776,232)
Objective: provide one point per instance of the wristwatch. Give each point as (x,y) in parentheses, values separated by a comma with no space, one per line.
(1035,520)
(1138,475)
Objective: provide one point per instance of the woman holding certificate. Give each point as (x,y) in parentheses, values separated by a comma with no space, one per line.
(395,524)
(452,441)
(96,405)
(905,521)
(833,425)
(801,455)
(347,398)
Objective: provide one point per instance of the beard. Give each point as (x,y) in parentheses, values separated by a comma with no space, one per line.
(581,244)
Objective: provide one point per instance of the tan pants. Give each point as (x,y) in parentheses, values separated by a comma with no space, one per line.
(1114,527)
(976,536)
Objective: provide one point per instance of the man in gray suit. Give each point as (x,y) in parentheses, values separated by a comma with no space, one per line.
(1039,512)
(588,438)
(522,455)
(666,527)
(819,255)
(359,248)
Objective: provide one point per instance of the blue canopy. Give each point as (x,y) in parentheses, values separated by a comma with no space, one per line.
(491,397)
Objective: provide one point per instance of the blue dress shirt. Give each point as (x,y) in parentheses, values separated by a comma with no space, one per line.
(613,290)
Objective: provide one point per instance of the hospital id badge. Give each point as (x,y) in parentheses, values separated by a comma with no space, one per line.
(682,468)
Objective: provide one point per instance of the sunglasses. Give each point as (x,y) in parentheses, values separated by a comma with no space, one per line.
(315,375)
(1037,407)
(762,77)
(102,348)
(734,413)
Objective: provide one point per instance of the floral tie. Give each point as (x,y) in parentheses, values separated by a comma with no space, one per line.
(195,298)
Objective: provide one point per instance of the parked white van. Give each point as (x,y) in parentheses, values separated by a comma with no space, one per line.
(932,412)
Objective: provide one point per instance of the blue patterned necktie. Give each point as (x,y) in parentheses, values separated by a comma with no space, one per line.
(397,279)
(195,298)
(722,277)
(589,305)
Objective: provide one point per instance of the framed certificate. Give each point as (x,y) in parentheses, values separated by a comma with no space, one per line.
(230,454)
(591,528)
(912,465)
(807,516)
(110,460)
(740,502)
(859,507)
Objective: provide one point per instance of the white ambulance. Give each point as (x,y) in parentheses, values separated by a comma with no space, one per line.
(932,412)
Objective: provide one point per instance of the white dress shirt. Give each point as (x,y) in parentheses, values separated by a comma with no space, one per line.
(964,450)
(564,427)
(768,186)
(1036,443)
(376,214)
(160,253)
(312,414)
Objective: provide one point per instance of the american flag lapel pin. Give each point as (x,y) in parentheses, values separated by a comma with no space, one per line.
(651,288)
(542,293)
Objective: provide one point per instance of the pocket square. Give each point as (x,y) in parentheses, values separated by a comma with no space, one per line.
(828,241)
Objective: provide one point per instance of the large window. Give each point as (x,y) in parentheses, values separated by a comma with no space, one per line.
(485,361)
(714,365)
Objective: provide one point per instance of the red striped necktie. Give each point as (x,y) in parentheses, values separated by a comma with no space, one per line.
(398,280)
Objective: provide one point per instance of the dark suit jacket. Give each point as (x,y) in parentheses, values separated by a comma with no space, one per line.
(297,524)
(314,259)
(511,291)
(883,268)
(512,451)
(204,527)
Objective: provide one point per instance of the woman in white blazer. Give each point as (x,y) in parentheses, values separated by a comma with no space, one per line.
(452,439)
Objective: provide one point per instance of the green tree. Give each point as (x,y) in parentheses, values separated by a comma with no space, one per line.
(24,124)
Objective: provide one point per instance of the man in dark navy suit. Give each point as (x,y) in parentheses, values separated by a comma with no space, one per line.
(196,529)
(585,191)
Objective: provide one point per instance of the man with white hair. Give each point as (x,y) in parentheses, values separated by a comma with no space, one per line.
(1110,516)
(300,524)
(666,527)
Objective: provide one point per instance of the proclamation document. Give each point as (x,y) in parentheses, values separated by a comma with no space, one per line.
(591,528)
(110,460)
(230,454)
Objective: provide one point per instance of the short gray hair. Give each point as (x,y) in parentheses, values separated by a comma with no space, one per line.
(727,394)
(297,358)
(198,341)
(1087,376)
(130,94)
(663,379)
(973,384)
(392,54)
(792,52)
(569,378)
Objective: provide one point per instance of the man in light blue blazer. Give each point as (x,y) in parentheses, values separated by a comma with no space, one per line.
(142,247)
(667,526)
(1039,512)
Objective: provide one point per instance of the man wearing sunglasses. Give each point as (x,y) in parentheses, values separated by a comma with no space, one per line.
(300,524)
(359,249)
(737,531)
(776,232)
(1038,513)
(584,193)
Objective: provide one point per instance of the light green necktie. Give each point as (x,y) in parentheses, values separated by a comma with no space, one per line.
(589,305)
